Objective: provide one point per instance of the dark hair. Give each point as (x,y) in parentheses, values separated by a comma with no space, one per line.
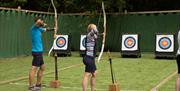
(37,18)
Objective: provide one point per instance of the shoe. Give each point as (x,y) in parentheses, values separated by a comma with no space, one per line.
(31,88)
(37,87)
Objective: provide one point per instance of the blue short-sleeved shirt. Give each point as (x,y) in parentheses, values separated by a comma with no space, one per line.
(36,32)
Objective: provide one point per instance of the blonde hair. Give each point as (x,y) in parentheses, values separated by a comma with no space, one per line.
(91,26)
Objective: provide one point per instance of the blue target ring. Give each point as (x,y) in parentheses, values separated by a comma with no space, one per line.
(129,42)
(165,43)
(60,42)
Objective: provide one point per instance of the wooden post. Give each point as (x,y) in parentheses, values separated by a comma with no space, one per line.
(56,67)
(55,83)
(112,74)
(114,86)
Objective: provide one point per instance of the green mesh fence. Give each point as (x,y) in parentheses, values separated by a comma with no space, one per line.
(15,33)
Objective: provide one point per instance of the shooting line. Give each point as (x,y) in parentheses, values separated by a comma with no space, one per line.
(156,88)
(46,73)
(70,88)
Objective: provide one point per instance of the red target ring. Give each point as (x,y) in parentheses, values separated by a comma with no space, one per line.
(129,42)
(165,43)
(60,42)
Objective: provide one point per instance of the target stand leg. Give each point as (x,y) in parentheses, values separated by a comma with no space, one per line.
(114,87)
(55,83)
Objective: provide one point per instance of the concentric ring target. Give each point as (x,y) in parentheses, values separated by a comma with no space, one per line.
(165,43)
(84,42)
(61,42)
(129,42)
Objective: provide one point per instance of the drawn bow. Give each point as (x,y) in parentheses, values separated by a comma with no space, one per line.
(55,25)
(104,33)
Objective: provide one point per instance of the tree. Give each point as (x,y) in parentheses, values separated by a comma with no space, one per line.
(67,6)
(152,5)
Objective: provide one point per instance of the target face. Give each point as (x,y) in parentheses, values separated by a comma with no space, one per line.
(165,43)
(61,42)
(82,43)
(129,42)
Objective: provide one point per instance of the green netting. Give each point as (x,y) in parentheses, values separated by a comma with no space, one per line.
(15,30)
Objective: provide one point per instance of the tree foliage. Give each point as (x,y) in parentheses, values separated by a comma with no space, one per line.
(93,6)
(152,5)
(67,6)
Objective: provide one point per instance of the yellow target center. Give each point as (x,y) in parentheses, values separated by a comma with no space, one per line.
(130,42)
(61,42)
(164,43)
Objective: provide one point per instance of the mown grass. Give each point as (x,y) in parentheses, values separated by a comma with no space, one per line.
(131,73)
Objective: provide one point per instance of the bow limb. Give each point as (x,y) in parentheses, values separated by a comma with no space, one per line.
(55,19)
(55,25)
(104,33)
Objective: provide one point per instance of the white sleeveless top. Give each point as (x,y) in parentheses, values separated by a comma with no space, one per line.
(178,39)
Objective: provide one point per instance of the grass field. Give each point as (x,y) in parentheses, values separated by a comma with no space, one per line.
(133,74)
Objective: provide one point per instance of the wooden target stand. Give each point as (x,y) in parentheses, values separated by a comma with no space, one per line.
(55,83)
(114,86)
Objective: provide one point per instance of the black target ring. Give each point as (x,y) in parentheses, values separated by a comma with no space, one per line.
(59,40)
(129,39)
(168,40)
(84,42)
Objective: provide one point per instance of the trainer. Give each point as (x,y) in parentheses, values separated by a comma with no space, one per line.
(89,58)
(37,52)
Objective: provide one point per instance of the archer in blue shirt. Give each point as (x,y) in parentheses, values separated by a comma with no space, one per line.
(37,52)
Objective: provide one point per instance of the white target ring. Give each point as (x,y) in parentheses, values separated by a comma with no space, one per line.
(82,43)
(165,43)
(129,42)
(61,42)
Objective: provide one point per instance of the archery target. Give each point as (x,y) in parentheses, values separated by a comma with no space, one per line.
(129,42)
(165,43)
(82,42)
(61,42)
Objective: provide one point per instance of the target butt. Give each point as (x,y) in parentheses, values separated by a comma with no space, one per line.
(114,87)
(55,84)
